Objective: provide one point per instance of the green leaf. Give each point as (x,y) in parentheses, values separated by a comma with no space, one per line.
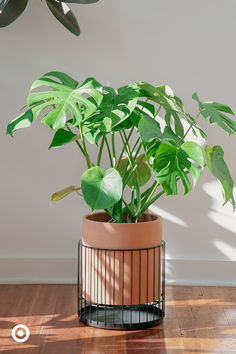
(63,78)
(169,134)
(160,94)
(218,168)
(172,163)
(213,112)
(22,121)
(63,193)
(179,103)
(93,136)
(164,96)
(65,97)
(116,212)
(63,137)
(149,130)
(10,10)
(195,128)
(142,171)
(116,108)
(146,106)
(64,15)
(101,190)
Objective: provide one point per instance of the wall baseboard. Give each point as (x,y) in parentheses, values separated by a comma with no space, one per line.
(201,272)
(64,271)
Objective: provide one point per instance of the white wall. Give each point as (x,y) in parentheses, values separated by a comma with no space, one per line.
(189,45)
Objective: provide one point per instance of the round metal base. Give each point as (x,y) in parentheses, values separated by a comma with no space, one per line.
(117,317)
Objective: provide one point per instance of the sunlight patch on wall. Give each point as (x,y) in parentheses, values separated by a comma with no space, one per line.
(168,269)
(168,216)
(220,215)
(227,250)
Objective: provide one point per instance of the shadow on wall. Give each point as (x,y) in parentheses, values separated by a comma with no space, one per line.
(202,228)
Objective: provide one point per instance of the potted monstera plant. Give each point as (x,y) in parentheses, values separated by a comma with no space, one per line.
(144,133)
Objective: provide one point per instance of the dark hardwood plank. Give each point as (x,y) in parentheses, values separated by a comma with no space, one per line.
(198,320)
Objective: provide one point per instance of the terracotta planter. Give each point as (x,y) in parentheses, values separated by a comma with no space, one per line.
(129,276)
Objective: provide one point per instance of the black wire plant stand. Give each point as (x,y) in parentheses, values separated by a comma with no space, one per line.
(121,288)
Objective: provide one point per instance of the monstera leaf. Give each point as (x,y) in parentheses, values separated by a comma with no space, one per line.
(150,131)
(101,190)
(218,168)
(22,121)
(173,163)
(64,15)
(66,96)
(214,112)
(10,10)
(163,95)
(116,107)
(62,137)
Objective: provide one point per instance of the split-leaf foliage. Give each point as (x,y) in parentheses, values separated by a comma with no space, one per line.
(144,132)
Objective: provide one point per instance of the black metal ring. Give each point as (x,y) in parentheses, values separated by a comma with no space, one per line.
(93,285)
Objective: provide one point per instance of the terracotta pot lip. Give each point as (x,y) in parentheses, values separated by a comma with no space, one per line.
(157,218)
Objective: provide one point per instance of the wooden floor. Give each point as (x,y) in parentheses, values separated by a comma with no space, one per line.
(198,320)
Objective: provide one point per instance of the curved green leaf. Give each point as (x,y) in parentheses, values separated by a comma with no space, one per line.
(213,111)
(146,106)
(92,135)
(172,163)
(149,130)
(64,15)
(101,190)
(22,121)
(63,137)
(218,168)
(65,97)
(63,193)
(163,95)
(142,171)
(63,78)
(10,10)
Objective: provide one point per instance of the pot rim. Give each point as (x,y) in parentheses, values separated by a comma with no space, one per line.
(157,218)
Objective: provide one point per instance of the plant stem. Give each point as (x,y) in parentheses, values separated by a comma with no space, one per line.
(113,148)
(100,151)
(127,207)
(135,144)
(89,163)
(132,200)
(123,149)
(154,199)
(132,165)
(144,207)
(191,125)
(127,148)
(131,171)
(76,141)
(137,151)
(109,151)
